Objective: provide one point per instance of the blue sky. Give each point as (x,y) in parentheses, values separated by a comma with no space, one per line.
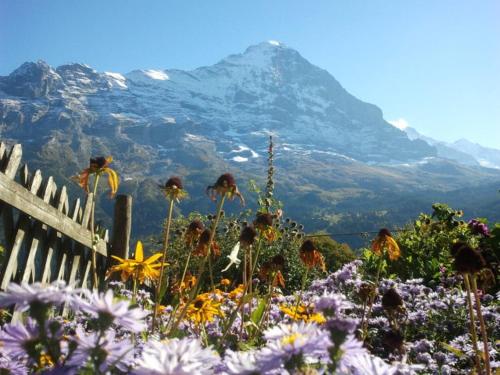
(433,64)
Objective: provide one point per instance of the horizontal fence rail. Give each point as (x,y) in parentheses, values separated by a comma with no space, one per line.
(46,238)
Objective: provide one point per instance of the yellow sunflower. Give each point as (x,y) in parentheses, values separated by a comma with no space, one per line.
(203,309)
(138,268)
(303,312)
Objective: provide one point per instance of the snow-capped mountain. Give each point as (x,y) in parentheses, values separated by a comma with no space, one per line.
(463,150)
(334,152)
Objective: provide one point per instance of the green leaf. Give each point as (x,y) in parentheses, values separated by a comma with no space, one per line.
(452,349)
(258,313)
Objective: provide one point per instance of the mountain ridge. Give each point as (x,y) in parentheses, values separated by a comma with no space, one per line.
(335,154)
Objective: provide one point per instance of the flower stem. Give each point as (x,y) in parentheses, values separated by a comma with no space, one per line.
(163,260)
(185,267)
(242,299)
(472,324)
(299,295)
(194,291)
(486,354)
(92,234)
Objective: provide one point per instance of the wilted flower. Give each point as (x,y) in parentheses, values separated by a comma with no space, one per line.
(367,291)
(393,340)
(176,357)
(264,223)
(202,247)
(384,241)
(310,256)
(391,300)
(247,235)
(138,268)
(98,166)
(225,185)
(270,271)
(193,232)
(173,189)
(468,260)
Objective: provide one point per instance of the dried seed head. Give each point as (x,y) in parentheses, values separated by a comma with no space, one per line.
(263,221)
(456,246)
(366,291)
(98,162)
(393,340)
(225,181)
(204,237)
(307,246)
(468,260)
(247,235)
(384,232)
(391,300)
(279,261)
(174,183)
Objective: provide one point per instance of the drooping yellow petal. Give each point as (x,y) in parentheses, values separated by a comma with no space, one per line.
(392,248)
(139,252)
(113,180)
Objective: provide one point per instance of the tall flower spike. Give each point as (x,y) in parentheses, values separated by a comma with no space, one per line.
(98,166)
(384,241)
(225,185)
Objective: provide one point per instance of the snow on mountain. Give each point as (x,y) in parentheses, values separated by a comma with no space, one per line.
(463,151)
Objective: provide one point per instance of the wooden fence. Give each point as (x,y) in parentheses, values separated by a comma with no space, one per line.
(45,237)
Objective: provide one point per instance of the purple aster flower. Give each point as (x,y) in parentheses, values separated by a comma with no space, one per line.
(102,307)
(104,349)
(242,362)
(176,357)
(10,366)
(22,295)
(367,364)
(17,338)
(332,304)
(291,340)
(477,227)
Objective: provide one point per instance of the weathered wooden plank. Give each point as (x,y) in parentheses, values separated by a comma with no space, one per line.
(55,237)
(3,150)
(62,266)
(87,211)
(86,274)
(39,234)
(24,226)
(22,199)
(75,265)
(122,226)
(8,224)
(13,161)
